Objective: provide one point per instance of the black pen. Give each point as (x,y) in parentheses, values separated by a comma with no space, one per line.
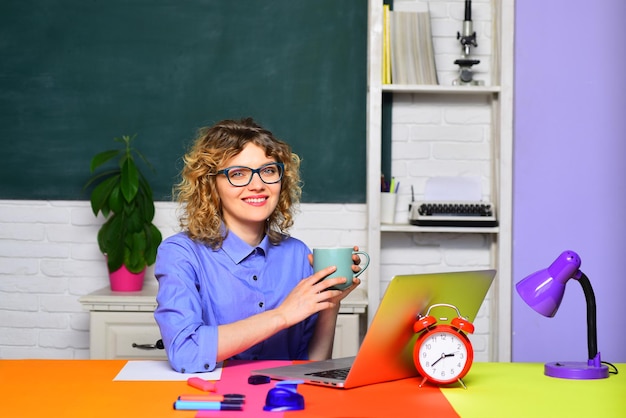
(228,397)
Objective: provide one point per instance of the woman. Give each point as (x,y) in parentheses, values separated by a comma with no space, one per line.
(233,284)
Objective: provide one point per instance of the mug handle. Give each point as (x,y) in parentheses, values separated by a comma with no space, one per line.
(367,262)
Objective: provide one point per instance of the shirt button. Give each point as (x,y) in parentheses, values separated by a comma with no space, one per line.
(260,304)
(206,367)
(254,278)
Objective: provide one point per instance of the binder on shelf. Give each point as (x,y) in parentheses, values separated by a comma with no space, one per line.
(386,47)
(408,48)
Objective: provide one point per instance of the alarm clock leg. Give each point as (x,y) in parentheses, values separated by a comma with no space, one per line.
(423,381)
(462,384)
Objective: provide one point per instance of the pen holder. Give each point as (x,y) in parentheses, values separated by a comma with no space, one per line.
(388,207)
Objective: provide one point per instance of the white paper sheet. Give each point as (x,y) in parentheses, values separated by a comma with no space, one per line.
(161,370)
(439,189)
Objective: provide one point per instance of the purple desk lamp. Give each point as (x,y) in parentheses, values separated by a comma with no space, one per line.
(543,291)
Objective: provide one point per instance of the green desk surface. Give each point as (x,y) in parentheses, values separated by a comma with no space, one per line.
(522,390)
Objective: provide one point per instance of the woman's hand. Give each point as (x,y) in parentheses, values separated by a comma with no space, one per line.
(356,260)
(312,295)
(321,344)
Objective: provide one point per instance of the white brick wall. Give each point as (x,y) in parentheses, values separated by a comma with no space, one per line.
(49,258)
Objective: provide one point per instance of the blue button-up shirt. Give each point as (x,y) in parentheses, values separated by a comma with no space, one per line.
(201,288)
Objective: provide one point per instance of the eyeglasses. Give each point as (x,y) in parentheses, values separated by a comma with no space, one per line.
(240,176)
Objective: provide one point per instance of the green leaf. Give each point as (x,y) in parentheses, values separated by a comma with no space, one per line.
(135,246)
(145,186)
(144,159)
(109,239)
(153,238)
(124,139)
(146,205)
(100,196)
(116,200)
(130,180)
(97,178)
(134,221)
(102,158)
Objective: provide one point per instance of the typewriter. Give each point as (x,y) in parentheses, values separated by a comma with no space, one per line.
(453,213)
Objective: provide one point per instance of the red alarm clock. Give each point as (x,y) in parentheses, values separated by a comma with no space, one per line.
(443,354)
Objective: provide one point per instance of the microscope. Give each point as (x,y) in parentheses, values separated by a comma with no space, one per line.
(468,40)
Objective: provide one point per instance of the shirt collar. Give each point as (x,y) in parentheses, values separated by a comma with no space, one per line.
(238,250)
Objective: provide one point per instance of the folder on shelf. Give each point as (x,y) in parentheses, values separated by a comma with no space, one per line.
(386,46)
(411,48)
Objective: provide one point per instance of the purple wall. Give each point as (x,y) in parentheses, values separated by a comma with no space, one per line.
(569,170)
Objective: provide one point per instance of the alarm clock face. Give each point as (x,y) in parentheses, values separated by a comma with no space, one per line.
(443,356)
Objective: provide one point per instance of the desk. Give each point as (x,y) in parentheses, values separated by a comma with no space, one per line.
(85,388)
(121,320)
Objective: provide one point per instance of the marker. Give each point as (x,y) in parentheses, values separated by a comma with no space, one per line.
(205,385)
(229,397)
(207,406)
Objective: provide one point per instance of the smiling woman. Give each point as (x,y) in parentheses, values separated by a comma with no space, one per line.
(234,284)
(249,201)
(218,150)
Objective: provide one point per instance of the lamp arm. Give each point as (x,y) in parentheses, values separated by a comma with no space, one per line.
(592,334)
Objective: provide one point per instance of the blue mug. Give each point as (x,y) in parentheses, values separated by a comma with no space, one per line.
(341,257)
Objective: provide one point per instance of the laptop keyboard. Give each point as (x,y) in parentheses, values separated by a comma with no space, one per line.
(332,374)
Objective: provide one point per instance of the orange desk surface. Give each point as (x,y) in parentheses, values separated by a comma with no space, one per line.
(85,388)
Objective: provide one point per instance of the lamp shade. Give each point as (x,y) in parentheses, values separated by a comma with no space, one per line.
(544,289)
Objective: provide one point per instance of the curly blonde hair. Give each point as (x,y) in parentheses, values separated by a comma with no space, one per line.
(197,192)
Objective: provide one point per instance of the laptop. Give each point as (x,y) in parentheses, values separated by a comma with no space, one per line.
(387,350)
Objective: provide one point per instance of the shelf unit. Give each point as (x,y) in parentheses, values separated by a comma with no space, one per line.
(500,98)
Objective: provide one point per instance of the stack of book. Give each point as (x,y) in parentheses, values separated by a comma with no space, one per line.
(408,56)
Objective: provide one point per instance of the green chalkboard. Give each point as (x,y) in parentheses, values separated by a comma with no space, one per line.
(74,74)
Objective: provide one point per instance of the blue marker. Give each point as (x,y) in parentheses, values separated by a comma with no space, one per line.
(207,406)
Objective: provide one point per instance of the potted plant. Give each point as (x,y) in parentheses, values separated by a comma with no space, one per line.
(128,238)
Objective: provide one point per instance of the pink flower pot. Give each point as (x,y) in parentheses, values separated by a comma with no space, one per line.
(123,280)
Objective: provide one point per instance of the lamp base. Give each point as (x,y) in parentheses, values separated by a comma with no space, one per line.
(576,370)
